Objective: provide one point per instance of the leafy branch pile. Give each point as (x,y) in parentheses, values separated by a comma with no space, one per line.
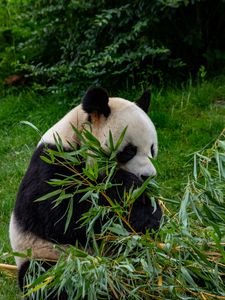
(185,259)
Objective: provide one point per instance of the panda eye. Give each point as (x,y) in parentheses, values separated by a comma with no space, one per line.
(127,153)
(152,150)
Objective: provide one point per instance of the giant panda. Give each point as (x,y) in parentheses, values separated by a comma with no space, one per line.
(36,225)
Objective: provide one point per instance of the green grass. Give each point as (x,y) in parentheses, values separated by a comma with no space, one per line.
(17,144)
(186,120)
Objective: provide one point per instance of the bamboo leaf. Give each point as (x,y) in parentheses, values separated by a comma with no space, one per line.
(69,214)
(49,195)
(139,191)
(120,139)
(31,125)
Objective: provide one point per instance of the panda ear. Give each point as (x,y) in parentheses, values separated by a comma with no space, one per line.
(144,101)
(96,100)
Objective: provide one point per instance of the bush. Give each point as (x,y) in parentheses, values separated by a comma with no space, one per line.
(70,43)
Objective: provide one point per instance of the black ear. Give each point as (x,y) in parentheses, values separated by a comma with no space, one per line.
(96,100)
(144,101)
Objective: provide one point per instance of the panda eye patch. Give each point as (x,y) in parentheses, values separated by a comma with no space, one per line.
(127,153)
(152,151)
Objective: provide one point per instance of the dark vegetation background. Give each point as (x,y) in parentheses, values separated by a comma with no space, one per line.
(69,45)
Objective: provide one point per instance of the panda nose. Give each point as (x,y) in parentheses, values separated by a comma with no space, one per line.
(144,177)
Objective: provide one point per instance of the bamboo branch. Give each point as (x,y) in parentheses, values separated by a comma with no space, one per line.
(6,267)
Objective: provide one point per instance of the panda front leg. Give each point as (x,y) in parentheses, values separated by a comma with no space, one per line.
(22,241)
(40,249)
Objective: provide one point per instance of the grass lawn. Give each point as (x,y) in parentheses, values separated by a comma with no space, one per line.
(186,120)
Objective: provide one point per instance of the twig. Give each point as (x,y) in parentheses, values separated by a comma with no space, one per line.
(6,267)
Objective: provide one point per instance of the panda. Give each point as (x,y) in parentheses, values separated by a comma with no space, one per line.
(36,225)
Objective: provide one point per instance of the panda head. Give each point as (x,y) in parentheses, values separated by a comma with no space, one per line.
(103,114)
(139,145)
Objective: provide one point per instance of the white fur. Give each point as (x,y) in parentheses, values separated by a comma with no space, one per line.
(63,127)
(22,241)
(140,132)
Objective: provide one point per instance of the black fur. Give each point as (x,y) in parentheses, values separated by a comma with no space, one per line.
(22,272)
(152,150)
(96,100)
(127,153)
(144,101)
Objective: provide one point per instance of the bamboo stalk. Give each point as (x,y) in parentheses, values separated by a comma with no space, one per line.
(213,295)
(7,267)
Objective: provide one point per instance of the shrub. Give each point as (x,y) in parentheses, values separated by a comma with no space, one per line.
(75,43)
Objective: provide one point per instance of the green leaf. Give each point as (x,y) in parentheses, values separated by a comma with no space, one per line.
(183,208)
(188,277)
(118,229)
(49,195)
(47,160)
(111,143)
(120,139)
(195,167)
(62,197)
(140,190)
(31,125)
(69,214)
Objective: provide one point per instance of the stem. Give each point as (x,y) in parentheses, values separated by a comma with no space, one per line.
(7,267)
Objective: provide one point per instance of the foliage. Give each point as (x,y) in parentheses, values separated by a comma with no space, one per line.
(76,43)
(184,260)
